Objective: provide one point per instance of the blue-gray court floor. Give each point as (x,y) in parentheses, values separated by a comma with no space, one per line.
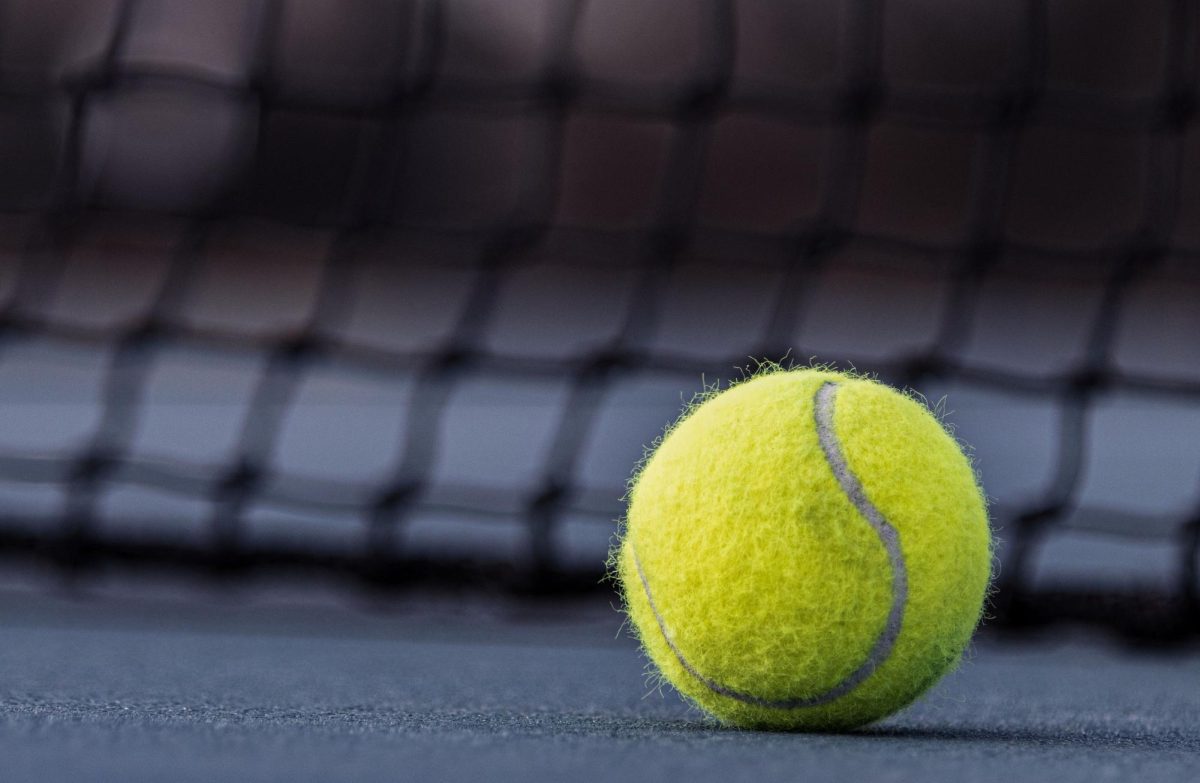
(130,689)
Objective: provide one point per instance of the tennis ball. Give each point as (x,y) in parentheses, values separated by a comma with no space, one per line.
(805,550)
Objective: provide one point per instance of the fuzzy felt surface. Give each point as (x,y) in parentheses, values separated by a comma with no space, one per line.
(760,580)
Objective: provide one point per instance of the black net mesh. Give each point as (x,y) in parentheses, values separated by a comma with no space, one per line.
(399,290)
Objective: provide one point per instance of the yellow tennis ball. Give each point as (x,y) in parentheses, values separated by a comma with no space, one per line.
(805,550)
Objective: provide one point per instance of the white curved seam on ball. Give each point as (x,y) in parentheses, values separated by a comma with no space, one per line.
(823,413)
(890,537)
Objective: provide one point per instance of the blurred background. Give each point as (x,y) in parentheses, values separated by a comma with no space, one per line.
(390,296)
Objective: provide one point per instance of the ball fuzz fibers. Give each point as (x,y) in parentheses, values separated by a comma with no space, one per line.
(805,550)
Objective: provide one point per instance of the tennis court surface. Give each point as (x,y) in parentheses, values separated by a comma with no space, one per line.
(222,691)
